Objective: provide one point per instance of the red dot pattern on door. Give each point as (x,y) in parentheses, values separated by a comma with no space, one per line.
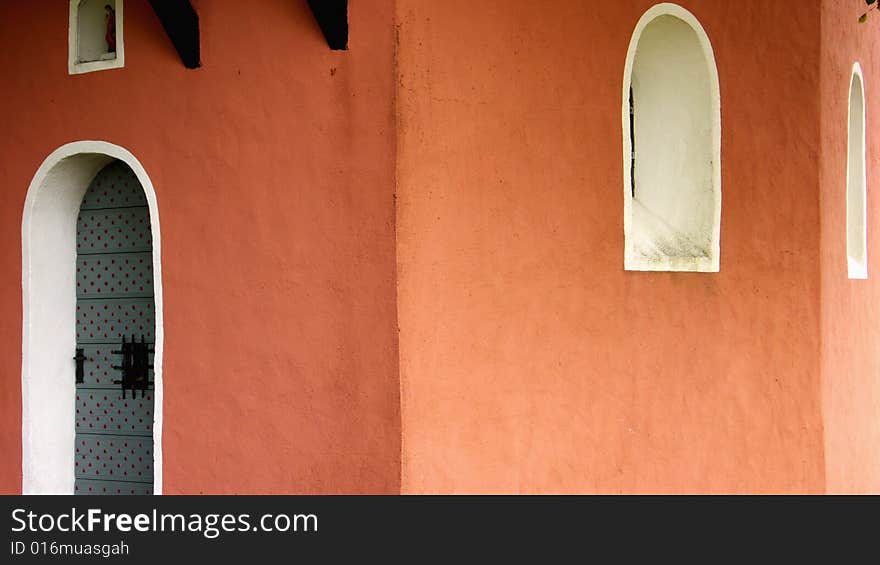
(108,321)
(114,275)
(106,231)
(105,411)
(117,458)
(115,186)
(87,486)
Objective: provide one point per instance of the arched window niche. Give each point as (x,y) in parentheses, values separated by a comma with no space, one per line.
(856,186)
(671,116)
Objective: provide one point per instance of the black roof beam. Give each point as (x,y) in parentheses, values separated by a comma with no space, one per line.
(181,23)
(332,16)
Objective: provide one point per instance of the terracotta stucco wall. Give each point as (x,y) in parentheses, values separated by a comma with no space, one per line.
(274,170)
(850,308)
(530,360)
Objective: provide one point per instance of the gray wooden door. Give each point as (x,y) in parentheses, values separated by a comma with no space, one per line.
(114,298)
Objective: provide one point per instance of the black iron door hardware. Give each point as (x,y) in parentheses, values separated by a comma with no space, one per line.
(135,367)
(80,359)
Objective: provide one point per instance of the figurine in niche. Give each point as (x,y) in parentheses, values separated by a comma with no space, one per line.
(110,35)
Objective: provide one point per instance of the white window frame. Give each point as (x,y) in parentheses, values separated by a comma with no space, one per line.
(74,66)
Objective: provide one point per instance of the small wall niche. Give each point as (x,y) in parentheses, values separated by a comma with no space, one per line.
(95,36)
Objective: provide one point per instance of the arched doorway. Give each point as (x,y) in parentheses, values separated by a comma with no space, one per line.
(50,320)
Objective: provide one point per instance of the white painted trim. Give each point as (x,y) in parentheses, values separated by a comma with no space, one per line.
(633,262)
(74,67)
(48,233)
(857,269)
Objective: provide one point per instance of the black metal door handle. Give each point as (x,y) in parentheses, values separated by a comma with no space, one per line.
(80,359)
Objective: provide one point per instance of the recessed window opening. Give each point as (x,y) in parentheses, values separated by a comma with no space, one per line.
(671,145)
(856,186)
(95,35)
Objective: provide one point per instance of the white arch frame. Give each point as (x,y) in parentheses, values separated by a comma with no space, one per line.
(631,261)
(856,269)
(48,235)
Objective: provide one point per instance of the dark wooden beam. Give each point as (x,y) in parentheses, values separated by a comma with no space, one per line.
(332,16)
(181,23)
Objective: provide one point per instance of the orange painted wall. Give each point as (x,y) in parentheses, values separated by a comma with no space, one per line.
(850,308)
(274,170)
(530,360)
